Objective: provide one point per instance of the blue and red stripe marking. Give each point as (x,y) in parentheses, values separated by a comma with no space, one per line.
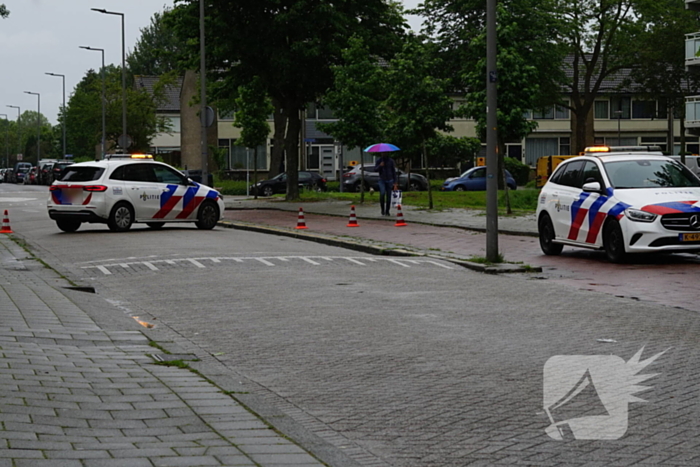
(673,207)
(596,218)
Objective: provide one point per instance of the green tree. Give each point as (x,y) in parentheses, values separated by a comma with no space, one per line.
(291,45)
(417,104)
(529,60)
(253,110)
(660,64)
(356,98)
(158,49)
(84,115)
(4,12)
(450,151)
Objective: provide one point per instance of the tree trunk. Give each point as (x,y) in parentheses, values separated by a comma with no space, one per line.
(427,175)
(582,131)
(280,126)
(255,171)
(291,147)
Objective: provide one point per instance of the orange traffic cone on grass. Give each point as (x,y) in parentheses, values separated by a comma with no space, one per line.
(301,223)
(353,218)
(399,217)
(6,223)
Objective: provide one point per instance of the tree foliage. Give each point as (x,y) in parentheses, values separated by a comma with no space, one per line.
(158,49)
(4,12)
(84,115)
(290,45)
(451,151)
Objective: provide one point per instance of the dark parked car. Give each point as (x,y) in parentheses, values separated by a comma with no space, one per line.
(21,169)
(45,176)
(474,179)
(352,180)
(278,184)
(58,169)
(7,177)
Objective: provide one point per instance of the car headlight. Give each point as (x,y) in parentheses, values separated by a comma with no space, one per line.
(639,216)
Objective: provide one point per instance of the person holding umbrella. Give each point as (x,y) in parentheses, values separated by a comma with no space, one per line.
(386,169)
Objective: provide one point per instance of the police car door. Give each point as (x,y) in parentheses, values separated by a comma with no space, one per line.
(565,198)
(142,189)
(176,195)
(591,204)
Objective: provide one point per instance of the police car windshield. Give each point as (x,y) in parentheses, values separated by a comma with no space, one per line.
(649,173)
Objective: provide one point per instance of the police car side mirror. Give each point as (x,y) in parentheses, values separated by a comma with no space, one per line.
(591,187)
(189,181)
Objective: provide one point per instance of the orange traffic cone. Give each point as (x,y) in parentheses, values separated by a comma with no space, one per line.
(6,224)
(301,223)
(353,218)
(399,217)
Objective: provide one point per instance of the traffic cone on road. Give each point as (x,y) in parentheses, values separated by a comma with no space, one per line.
(6,223)
(353,218)
(301,223)
(399,217)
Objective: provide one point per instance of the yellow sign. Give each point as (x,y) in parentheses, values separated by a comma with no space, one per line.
(480,161)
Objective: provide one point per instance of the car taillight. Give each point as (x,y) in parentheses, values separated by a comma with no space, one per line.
(323,180)
(347,175)
(95,188)
(54,188)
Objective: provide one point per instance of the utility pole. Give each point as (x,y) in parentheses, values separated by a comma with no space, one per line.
(491,135)
(203,96)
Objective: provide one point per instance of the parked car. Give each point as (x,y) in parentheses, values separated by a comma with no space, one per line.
(30,178)
(474,179)
(8,176)
(128,188)
(45,175)
(58,168)
(278,184)
(21,169)
(352,180)
(620,200)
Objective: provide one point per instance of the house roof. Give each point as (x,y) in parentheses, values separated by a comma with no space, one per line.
(171,100)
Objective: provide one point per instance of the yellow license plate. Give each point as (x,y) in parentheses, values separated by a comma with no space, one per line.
(690,237)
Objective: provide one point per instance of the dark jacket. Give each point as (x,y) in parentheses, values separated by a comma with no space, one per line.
(386,169)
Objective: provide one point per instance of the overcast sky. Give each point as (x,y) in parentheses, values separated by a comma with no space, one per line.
(43,36)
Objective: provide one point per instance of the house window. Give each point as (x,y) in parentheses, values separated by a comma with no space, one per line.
(174,124)
(561,112)
(655,141)
(241,158)
(544,114)
(643,109)
(601,110)
(620,104)
(564,146)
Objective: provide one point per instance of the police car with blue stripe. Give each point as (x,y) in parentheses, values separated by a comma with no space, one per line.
(127,188)
(622,200)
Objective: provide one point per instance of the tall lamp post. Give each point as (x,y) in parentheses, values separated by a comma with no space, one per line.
(64,109)
(19,135)
(123,142)
(102,71)
(619,117)
(38,124)
(203,96)
(7,140)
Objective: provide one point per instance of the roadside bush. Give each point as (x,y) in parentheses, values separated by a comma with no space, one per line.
(519,171)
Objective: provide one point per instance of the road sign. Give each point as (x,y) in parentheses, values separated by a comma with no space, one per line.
(19,157)
(125,141)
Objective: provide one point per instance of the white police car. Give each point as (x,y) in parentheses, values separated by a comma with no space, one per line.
(623,200)
(127,188)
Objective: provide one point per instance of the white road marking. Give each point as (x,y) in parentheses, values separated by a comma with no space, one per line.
(150,266)
(266,260)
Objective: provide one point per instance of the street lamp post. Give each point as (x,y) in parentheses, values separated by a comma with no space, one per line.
(102,71)
(7,140)
(619,117)
(124,137)
(19,135)
(64,109)
(38,124)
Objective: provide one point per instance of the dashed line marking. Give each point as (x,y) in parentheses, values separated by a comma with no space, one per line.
(267,261)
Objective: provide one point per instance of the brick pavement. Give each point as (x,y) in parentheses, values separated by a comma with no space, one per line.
(75,393)
(659,278)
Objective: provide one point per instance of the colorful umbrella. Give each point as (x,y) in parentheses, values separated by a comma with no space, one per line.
(381,147)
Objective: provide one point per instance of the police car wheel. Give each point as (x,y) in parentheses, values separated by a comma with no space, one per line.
(121,218)
(614,242)
(208,216)
(68,226)
(155,225)
(546,231)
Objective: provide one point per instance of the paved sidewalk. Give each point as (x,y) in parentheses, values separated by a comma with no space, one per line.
(75,393)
